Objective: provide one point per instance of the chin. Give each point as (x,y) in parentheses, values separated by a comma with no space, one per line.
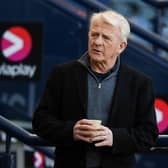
(96,57)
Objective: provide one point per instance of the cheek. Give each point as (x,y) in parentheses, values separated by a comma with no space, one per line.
(109,49)
(90,42)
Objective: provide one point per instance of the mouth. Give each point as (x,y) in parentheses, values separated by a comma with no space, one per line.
(96,51)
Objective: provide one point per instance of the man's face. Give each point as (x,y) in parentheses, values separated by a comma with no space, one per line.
(104,42)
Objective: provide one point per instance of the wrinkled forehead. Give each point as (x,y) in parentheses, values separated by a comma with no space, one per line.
(102,26)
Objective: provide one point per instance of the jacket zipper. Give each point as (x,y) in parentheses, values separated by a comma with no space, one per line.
(99,85)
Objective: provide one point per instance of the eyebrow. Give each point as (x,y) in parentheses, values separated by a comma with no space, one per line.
(106,34)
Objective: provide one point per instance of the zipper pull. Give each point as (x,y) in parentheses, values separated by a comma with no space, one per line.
(99,85)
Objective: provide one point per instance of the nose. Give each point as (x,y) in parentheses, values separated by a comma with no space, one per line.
(98,40)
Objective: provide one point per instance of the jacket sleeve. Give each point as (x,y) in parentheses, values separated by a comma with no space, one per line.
(47,122)
(144,133)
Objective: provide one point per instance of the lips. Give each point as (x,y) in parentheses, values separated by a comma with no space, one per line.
(161,108)
(96,51)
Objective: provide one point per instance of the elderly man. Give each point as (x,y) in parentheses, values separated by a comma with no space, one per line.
(98,86)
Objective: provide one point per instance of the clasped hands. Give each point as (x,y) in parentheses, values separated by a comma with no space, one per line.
(86,130)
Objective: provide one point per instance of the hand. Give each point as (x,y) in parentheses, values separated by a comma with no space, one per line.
(85,130)
(104,137)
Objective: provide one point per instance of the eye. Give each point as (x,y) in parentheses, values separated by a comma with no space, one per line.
(107,38)
(94,34)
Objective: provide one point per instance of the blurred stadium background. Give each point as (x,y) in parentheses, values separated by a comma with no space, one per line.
(55,31)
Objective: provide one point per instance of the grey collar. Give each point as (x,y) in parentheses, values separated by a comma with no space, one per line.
(84,60)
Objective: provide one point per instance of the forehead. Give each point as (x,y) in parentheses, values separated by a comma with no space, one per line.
(102,27)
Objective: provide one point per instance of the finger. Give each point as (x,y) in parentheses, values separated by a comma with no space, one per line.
(85,133)
(84,138)
(101,133)
(99,138)
(85,122)
(87,127)
(100,144)
(106,130)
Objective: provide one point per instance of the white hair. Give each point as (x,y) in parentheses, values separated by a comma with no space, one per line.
(114,19)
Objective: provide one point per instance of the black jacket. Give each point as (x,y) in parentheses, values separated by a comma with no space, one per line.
(131,119)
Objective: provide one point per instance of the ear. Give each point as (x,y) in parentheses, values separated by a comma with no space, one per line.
(122,46)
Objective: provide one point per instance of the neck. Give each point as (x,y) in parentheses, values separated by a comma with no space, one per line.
(102,67)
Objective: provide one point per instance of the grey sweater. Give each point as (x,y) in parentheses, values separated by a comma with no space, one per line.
(100,95)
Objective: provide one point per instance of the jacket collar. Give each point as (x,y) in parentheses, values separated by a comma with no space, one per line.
(120,93)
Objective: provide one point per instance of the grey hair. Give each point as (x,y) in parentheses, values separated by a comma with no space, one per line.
(115,19)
